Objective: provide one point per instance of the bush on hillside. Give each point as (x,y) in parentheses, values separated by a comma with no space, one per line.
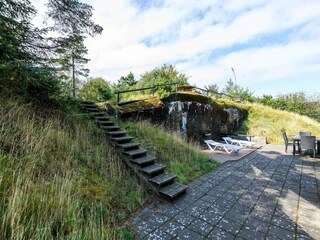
(95,90)
(167,74)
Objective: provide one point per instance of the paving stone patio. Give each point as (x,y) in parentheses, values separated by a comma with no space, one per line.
(265,195)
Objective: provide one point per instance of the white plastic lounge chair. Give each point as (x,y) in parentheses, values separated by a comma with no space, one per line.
(241,143)
(229,148)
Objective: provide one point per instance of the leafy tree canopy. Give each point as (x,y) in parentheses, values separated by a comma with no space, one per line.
(96,90)
(297,102)
(165,75)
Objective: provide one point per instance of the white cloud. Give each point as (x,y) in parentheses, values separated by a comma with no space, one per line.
(206,38)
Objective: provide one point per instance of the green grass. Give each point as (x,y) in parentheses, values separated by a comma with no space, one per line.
(182,159)
(266,121)
(59,179)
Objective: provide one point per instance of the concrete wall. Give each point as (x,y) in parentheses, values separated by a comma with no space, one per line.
(195,117)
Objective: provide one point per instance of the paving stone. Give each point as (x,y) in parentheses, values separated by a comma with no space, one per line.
(173,228)
(251,234)
(170,211)
(143,228)
(261,215)
(158,234)
(189,234)
(307,221)
(254,224)
(209,198)
(240,209)
(254,198)
(184,219)
(197,208)
(229,226)
(303,237)
(210,217)
(288,201)
(283,223)
(280,233)
(218,209)
(220,234)
(237,217)
(288,210)
(157,219)
(310,213)
(263,208)
(305,230)
(200,227)
(225,203)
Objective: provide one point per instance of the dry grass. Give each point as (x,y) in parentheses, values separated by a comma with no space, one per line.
(266,121)
(59,179)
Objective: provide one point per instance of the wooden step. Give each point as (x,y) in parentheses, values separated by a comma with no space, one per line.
(95,115)
(136,153)
(128,146)
(89,106)
(143,160)
(173,190)
(152,169)
(110,128)
(87,102)
(162,179)
(106,123)
(117,133)
(95,110)
(122,139)
(102,118)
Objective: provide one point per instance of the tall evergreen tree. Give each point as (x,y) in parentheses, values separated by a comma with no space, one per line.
(23,68)
(72,19)
(71,60)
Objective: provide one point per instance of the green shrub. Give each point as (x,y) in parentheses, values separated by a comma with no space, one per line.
(95,90)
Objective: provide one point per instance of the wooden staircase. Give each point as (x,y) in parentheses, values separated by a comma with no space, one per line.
(138,159)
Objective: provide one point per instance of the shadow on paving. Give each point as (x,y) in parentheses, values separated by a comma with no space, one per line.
(265,195)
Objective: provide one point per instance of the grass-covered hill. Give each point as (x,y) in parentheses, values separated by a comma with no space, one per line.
(59,179)
(269,122)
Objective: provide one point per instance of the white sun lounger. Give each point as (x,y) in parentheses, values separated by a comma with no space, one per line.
(241,143)
(229,148)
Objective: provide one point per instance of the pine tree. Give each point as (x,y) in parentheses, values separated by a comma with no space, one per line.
(72,19)
(71,60)
(23,69)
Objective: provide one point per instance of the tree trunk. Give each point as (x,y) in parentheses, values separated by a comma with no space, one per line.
(73,79)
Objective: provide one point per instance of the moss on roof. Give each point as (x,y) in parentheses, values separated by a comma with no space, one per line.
(140,105)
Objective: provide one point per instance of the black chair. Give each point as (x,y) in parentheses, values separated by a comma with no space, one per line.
(286,141)
(304,134)
(308,143)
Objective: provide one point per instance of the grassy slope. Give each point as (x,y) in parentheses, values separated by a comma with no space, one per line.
(59,179)
(182,159)
(269,122)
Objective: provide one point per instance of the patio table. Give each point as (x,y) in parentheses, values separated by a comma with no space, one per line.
(297,139)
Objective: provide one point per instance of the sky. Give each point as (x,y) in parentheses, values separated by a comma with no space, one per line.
(273,46)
